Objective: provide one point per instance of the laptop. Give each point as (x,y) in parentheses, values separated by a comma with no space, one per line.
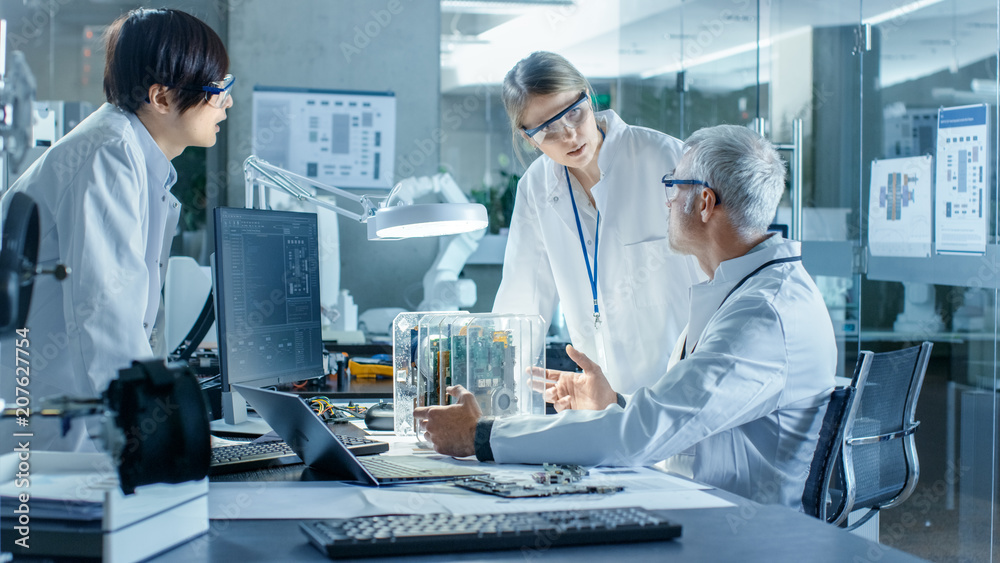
(313,441)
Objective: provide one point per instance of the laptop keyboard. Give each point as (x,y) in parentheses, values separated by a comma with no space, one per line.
(382,467)
(261,455)
(409,534)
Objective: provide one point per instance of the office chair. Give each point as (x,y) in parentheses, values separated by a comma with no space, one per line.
(817,499)
(877,465)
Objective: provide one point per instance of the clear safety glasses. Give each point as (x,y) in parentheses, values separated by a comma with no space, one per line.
(570,117)
(672,190)
(216,93)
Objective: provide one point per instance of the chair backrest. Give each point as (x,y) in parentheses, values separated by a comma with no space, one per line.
(879,466)
(837,421)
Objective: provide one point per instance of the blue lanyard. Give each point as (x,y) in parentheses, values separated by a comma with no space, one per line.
(740,284)
(592,275)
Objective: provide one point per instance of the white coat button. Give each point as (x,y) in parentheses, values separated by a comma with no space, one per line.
(145,325)
(555,198)
(175,205)
(590,242)
(164,198)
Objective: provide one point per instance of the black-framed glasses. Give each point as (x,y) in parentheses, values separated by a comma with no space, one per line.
(216,93)
(570,117)
(672,190)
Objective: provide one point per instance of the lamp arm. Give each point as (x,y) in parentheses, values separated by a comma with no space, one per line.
(267,175)
(442,184)
(314,200)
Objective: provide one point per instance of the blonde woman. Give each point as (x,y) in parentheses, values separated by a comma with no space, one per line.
(589,227)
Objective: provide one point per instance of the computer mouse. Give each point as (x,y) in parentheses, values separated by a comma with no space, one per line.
(380,417)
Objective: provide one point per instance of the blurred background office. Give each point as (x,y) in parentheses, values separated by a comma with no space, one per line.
(842,87)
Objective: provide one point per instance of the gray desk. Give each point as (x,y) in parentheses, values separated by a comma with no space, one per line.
(746,532)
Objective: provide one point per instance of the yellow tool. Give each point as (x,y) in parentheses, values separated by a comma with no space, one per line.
(369,368)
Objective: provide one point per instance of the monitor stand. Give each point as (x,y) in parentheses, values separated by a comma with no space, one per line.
(234,421)
(253,427)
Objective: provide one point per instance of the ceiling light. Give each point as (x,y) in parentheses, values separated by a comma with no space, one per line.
(899,11)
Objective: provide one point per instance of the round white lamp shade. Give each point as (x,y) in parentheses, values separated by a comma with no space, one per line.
(429,219)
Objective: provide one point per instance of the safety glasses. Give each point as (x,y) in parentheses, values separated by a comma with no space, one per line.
(570,117)
(672,190)
(216,93)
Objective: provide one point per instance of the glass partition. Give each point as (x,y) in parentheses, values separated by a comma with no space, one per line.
(933,57)
(811,68)
(845,89)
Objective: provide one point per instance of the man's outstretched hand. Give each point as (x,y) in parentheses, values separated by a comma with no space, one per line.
(451,428)
(589,390)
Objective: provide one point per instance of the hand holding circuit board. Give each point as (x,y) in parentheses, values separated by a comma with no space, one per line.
(451,428)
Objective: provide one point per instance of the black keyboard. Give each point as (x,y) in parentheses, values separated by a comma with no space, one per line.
(261,455)
(437,533)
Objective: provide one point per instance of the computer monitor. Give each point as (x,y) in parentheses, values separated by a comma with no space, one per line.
(266,277)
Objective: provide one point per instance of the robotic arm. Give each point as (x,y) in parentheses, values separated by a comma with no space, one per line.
(17,90)
(443,290)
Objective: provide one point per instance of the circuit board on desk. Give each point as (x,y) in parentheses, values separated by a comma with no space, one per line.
(489,485)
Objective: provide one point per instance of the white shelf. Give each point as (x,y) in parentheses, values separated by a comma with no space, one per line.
(490,251)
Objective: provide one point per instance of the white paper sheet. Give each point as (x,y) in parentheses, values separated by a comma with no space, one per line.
(644,487)
(962,182)
(899,209)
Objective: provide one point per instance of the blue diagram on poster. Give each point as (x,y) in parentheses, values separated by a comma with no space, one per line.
(899,209)
(962,174)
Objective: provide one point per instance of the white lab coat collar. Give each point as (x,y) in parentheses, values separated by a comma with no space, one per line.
(707,297)
(734,269)
(159,171)
(614,128)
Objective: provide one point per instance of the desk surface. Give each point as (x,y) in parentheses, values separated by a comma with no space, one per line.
(745,532)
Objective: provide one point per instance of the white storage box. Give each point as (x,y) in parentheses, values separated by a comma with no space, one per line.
(75,508)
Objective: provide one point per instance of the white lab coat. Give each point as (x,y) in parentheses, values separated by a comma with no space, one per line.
(750,398)
(106,211)
(642,284)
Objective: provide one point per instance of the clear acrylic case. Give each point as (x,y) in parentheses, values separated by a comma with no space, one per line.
(491,357)
(488,354)
(404,361)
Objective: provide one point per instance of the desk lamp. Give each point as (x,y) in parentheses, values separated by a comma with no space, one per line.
(387,218)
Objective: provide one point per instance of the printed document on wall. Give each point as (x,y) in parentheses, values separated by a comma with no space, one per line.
(962,177)
(342,138)
(899,209)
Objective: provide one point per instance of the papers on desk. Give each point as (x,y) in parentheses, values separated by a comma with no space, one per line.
(645,487)
(73,507)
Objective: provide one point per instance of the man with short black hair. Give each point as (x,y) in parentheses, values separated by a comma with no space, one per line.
(106,210)
(742,402)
